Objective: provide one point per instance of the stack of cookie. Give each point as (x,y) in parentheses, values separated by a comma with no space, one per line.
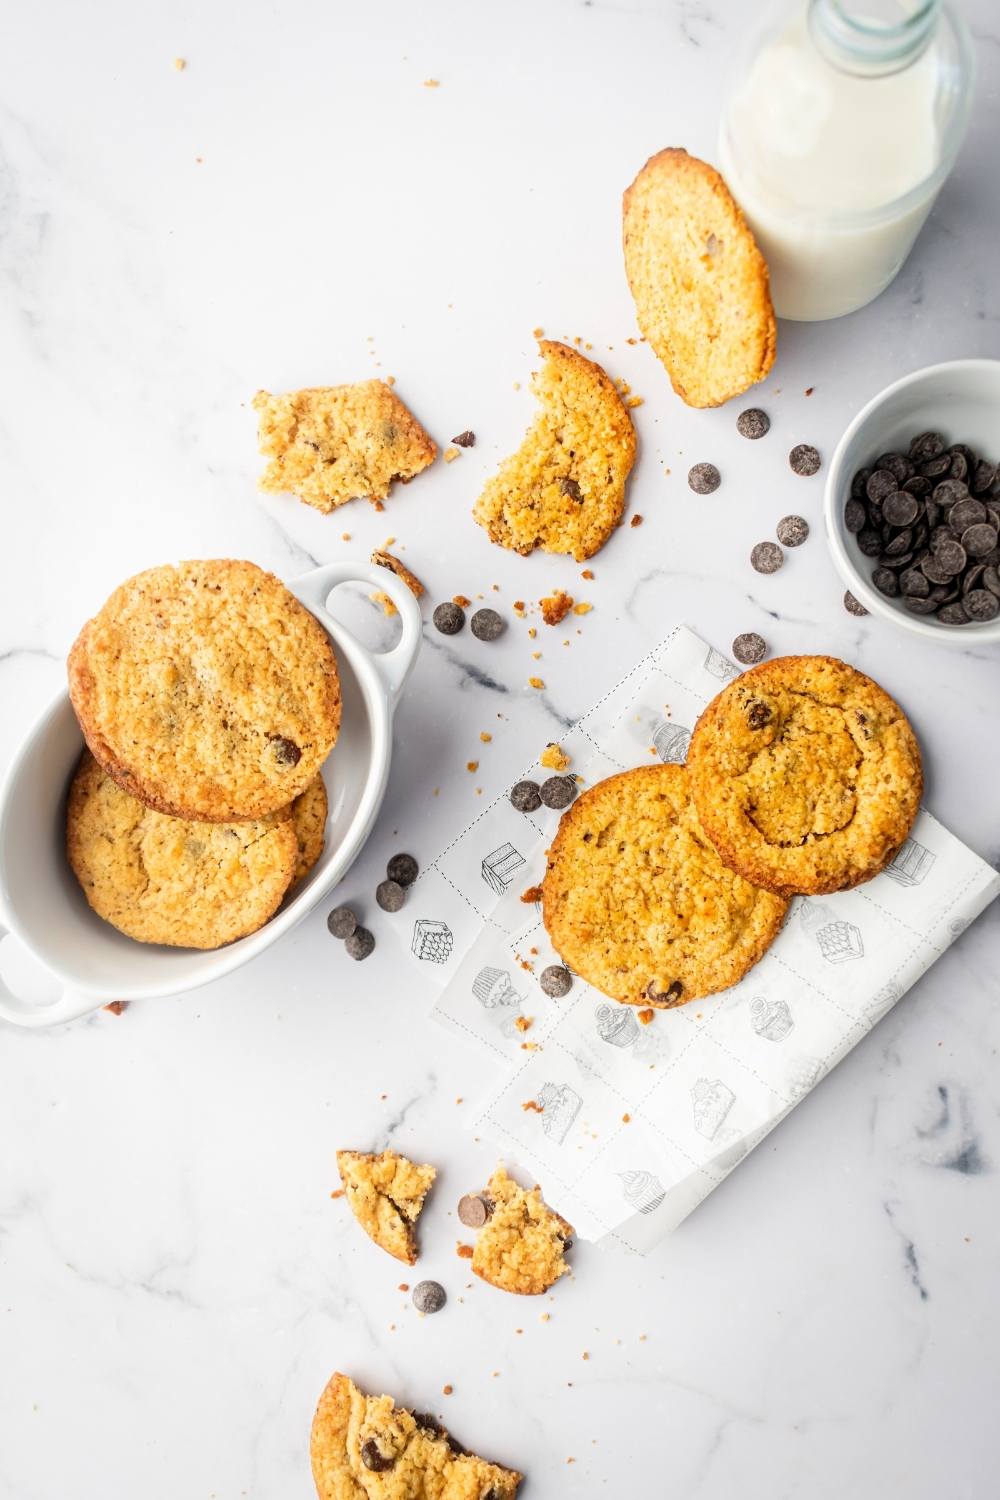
(209,700)
(667,883)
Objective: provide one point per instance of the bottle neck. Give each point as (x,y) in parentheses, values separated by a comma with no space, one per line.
(871,38)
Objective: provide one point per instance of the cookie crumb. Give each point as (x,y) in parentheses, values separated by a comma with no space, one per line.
(388,607)
(432,83)
(464,1251)
(646,1015)
(626,1118)
(340,1193)
(116,1006)
(556,607)
(461,601)
(634,401)
(390,380)
(535,682)
(586,574)
(346,537)
(636,521)
(537,333)
(447,1390)
(582,609)
(404,1286)
(553,758)
(383,559)
(472,765)
(485,737)
(532,894)
(180,64)
(532,632)
(450,454)
(523,1023)
(531,1104)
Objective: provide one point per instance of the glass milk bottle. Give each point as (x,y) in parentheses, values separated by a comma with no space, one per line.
(837,138)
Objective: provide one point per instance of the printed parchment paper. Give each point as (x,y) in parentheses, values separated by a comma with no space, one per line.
(632,1125)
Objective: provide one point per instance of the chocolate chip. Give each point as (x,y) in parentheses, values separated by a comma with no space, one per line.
(792,530)
(374,1459)
(472,1211)
(934,468)
(978,540)
(973,578)
(926,445)
(900,508)
(852,605)
(403,869)
(896,563)
(759,714)
(556,981)
(525,797)
(886,582)
(360,944)
(753,423)
(704,478)
(982,477)
(899,467)
(953,614)
(870,542)
(991,578)
(341,922)
(465,439)
(426,1423)
(949,491)
(914,583)
(558,791)
(571,488)
(390,895)
(859,483)
(936,574)
(429,1296)
(286,752)
(486,625)
(804,460)
(965,513)
(750,648)
(881,484)
(449,618)
(950,556)
(767,557)
(981,604)
(855,515)
(959,466)
(669,997)
(920,606)
(901,543)
(917,485)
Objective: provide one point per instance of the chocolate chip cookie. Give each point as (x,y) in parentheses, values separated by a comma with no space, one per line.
(521,1247)
(638,902)
(385,1193)
(207,691)
(806,776)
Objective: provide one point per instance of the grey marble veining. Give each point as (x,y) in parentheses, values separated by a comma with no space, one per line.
(295,207)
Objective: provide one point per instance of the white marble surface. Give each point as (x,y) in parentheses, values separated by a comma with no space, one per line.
(294,207)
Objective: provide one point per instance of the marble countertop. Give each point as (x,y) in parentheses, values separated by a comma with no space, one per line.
(297,207)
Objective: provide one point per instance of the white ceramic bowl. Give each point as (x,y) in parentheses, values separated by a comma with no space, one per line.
(960,399)
(41,902)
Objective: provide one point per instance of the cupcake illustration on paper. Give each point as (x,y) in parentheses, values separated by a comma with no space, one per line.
(492,987)
(671,742)
(616,1024)
(771,1018)
(838,941)
(642,1190)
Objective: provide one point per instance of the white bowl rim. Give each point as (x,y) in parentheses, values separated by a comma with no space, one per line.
(859,586)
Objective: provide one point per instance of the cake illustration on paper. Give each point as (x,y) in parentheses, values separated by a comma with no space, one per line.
(911,865)
(560,1107)
(838,941)
(499,867)
(432,941)
(771,1018)
(642,1190)
(616,1024)
(712,1101)
(492,987)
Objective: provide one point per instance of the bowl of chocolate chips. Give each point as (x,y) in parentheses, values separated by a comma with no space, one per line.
(912,507)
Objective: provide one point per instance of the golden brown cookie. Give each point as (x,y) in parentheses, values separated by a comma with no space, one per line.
(168,880)
(385,1193)
(521,1248)
(637,901)
(806,775)
(701,288)
(564,488)
(207,691)
(340,442)
(309,821)
(367,1448)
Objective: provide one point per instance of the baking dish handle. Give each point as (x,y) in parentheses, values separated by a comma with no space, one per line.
(313,589)
(69,1006)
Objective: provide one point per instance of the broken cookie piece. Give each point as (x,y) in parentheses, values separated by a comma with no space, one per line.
(383,559)
(521,1248)
(564,489)
(367,1448)
(386,1193)
(336,443)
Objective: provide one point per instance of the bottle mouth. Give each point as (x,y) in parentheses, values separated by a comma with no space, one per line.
(872,37)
